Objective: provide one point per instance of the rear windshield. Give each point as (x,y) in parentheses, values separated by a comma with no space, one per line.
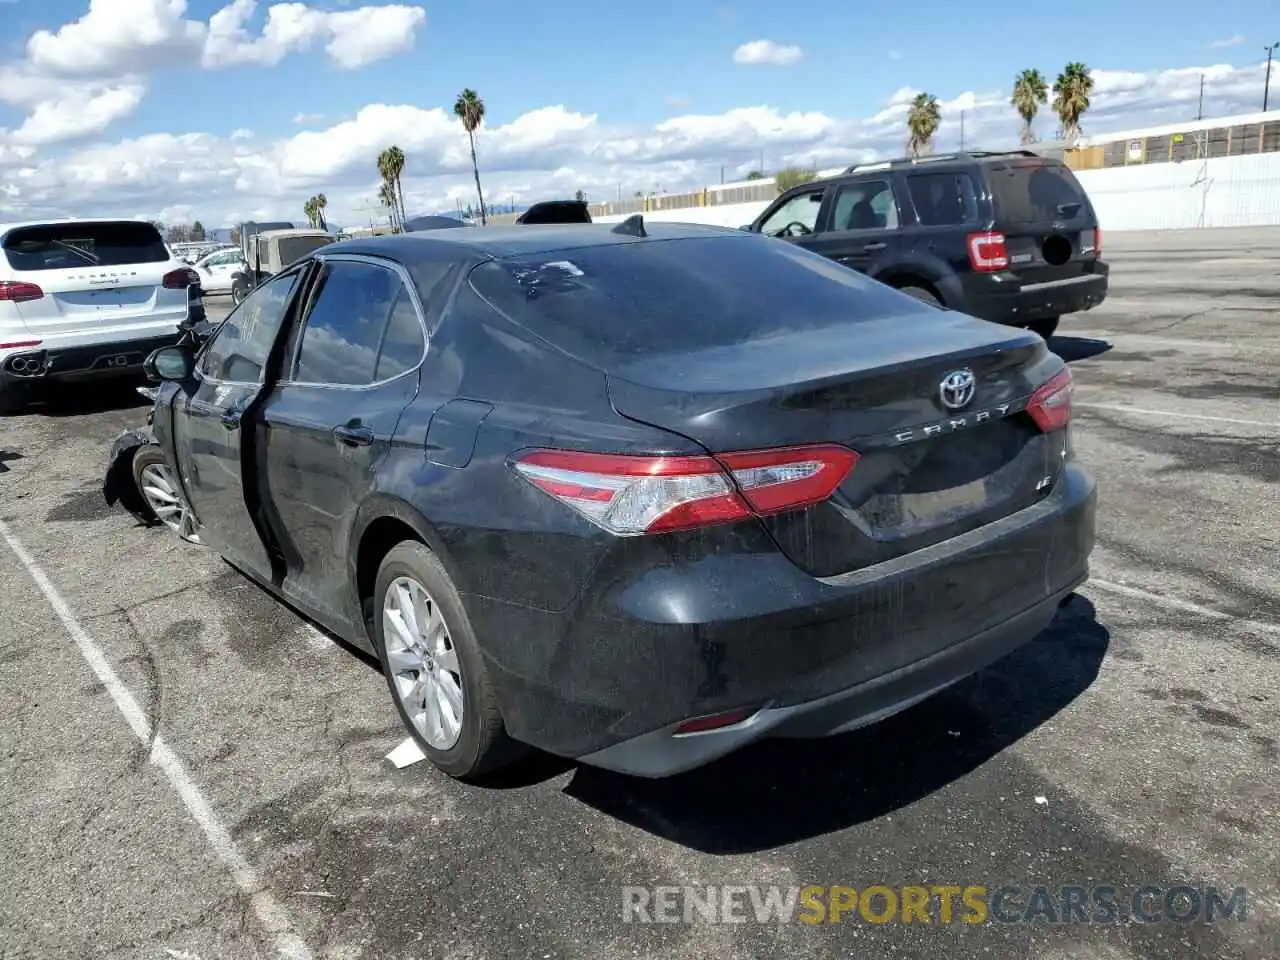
(1035,191)
(610,304)
(295,248)
(67,246)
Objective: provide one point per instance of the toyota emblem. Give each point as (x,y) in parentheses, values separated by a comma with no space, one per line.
(957,389)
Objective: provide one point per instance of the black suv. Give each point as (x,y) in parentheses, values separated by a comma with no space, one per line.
(1009,237)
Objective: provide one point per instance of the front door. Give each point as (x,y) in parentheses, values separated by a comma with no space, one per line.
(794,218)
(330,420)
(210,444)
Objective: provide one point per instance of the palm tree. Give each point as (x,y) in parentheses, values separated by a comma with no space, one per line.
(1029,92)
(390,166)
(309,209)
(387,197)
(922,120)
(1071,98)
(321,201)
(469,108)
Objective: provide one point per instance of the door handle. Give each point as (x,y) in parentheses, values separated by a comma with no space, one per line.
(231,418)
(352,435)
(873,247)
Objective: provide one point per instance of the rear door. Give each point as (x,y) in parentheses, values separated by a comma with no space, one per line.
(96,275)
(861,227)
(351,370)
(1045,216)
(212,423)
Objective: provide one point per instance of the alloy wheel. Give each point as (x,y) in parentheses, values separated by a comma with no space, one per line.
(423,662)
(162,496)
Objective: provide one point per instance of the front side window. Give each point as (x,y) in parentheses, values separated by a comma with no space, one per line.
(239,350)
(797,217)
(865,205)
(362,327)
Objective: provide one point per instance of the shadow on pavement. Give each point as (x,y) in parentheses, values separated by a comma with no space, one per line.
(782,791)
(79,399)
(1072,349)
(6,456)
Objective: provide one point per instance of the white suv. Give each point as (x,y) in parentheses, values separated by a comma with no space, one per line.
(83,298)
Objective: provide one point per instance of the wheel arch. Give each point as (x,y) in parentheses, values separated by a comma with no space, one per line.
(899,278)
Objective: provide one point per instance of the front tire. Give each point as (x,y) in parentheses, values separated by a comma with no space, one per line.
(1045,327)
(238,293)
(433,666)
(161,493)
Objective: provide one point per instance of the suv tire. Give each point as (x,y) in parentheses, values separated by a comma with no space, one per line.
(1045,327)
(920,293)
(480,744)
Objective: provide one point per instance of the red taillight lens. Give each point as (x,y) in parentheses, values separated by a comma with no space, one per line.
(715,721)
(988,252)
(180,279)
(19,344)
(629,495)
(15,291)
(1050,405)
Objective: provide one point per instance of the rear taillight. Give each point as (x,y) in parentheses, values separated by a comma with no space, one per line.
(19,344)
(16,291)
(1091,241)
(715,721)
(630,495)
(180,279)
(988,252)
(1050,405)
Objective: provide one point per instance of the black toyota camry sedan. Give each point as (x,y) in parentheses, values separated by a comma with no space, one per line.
(636,495)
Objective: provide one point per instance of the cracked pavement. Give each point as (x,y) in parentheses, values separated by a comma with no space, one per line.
(1151,731)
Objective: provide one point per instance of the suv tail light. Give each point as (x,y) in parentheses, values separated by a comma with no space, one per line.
(180,279)
(988,252)
(16,291)
(1050,405)
(630,495)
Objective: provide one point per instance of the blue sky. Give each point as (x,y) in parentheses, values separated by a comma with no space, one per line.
(631,67)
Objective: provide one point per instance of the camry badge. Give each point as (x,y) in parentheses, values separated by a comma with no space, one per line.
(957,389)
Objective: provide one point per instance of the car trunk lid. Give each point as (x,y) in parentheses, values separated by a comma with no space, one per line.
(925,472)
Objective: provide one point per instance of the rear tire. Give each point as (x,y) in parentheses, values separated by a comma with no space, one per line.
(238,293)
(12,401)
(921,294)
(1045,327)
(433,665)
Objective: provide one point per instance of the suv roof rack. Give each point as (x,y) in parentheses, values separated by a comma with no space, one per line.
(937,158)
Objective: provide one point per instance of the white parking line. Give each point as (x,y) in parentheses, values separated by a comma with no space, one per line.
(265,907)
(1186,606)
(1142,411)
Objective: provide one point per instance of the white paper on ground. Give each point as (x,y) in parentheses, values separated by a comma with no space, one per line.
(408,752)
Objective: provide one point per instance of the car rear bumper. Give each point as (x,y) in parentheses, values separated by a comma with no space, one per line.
(44,363)
(1003,298)
(609,680)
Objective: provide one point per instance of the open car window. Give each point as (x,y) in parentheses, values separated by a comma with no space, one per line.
(238,351)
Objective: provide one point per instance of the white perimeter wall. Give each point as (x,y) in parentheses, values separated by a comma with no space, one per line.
(1222,192)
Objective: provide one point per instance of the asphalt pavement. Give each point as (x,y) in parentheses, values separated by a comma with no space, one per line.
(190,770)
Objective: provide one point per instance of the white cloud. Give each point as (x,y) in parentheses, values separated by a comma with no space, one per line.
(52,121)
(78,79)
(307,118)
(548,152)
(1232,41)
(768,52)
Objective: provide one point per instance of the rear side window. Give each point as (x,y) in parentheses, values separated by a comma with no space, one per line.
(610,304)
(68,246)
(362,327)
(1035,191)
(865,205)
(943,199)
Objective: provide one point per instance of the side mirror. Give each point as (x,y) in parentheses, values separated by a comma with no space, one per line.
(170,363)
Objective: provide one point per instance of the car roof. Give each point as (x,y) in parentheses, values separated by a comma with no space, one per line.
(516,241)
(964,158)
(58,221)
